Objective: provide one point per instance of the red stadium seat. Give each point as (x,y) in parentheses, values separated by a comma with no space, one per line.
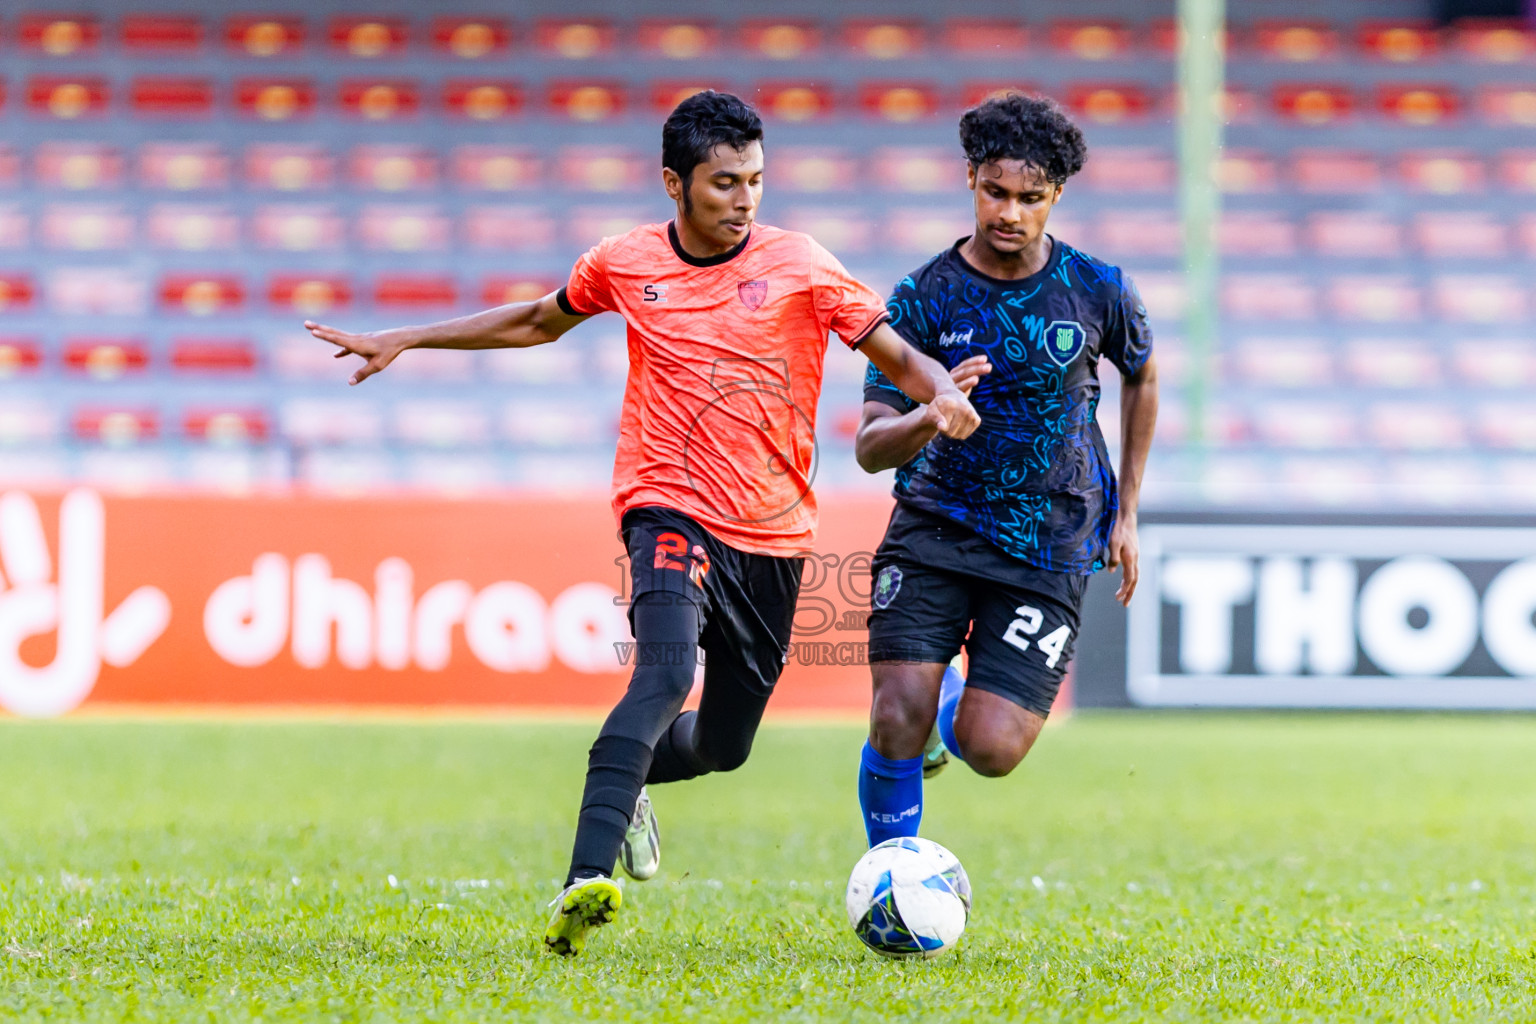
(183,166)
(480,99)
(840,230)
(602,169)
(1109,103)
(367,37)
(214,355)
(192,227)
(418,228)
(201,294)
(1416,426)
(115,425)
(86,227)
(1139,233)
(1392,363)
(392,168)
(309,294)
(1090,40)
(781,40)
(106,358)
(1129,169)
(225,426)
(1466,234)
(172,97)
(508,228)
(1482,298)
(794,101)
(1441,172)
(813,169)
(499,290)
(918,168)
(1277,297)
(471,38)
(59,35)
(1245,171)
(899,101)
(574,39)
(1375,298)
(1420,105)
(586,100)
(496,168)
(677,40)
(1517,170)
(1354,233)
(1252,233)
(298,228)
(1494,41)
(161,33)
(1296,42)
(667,94)
(884,40)
(1335,171)
(289,167)
(377,100)
(77,166)
(1309,425)
(68,97)
(1313,103)
(414,291)
(18,356)
(275,99)
(1511,105)
(969,38)
(1399,42)
(264,36)
(1284,362)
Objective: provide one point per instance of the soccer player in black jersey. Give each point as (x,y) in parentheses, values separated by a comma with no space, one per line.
(994,536)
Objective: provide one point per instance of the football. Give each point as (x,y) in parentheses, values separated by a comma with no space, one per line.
(908,898)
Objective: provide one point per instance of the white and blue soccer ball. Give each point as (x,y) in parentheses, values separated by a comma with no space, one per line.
(908,898)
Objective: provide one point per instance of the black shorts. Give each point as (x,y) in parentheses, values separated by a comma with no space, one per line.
(746,602)
(938,586)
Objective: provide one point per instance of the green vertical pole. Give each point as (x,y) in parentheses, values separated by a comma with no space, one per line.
(1200,122)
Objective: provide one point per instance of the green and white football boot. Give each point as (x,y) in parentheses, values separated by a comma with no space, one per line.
(640,856)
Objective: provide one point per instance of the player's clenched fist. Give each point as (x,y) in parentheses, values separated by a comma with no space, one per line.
(379,348)
(952,414)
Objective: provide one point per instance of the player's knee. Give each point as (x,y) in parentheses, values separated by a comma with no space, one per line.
(993,759)
(900,719)
(725,757)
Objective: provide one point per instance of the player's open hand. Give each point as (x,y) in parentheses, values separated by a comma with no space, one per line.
(952,414)
(1124,554)
(969,372)
(379,348)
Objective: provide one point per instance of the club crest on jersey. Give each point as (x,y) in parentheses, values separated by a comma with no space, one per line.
(1064,340)
(752,293)
(887,584)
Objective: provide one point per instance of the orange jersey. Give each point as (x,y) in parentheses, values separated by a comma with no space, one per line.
(725,367)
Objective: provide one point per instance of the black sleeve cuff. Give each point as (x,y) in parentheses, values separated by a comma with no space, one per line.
(885,396)
(564,302)
(864,334)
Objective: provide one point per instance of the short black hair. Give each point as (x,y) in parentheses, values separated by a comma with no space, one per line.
(700,123)
(1028,128)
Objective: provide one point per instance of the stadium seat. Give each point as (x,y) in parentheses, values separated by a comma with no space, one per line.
(225,426)
(68,97)
(1253,233)
(575,40)
(1304,424)
(392,167)
(115,425)
(19,355)
(667,93)
(202,294)
(1295,42)
(349,471)
(1314,104)
(793,101)
(1244,171)
(1468,234)
(1120,169)
(402,228)
(288,167)
(1139,233)
(59,35)
(1483,298)
(94,291)
(191,227)
(172,98)
(924,232)
(15,230)
(1496,363)
(309,294)
(1109,102)
(586,99)
(1392,363)
(1356,233)
(495,168)
(1422,106)
(884,40)
(1494,41)
(498,289)
(453,474)
(1335,171)
(331,421)
(918,168)
(1405,42)
(1283,362)
(86,227)
(1417,425)
(972,38)
(414,291)
(264,35)
(585,226)
(1284,297)
(1326,480)
(1508,106)
(841,230)
(1374,298)
(471,38)
(780,40)
(480,99)
(295,227)
(1517,170)
(602,169)
(899,101)
(555,424)
(214,355)
(183,166)
(1526,234)
(10,163)
(1090,40)
(977,91)
(508,228)
(105,358)
(813,169)
(379,100)
(543,364)
(673,39)
(77,166)
(366,37)
(1506,425)
(1443,172)
(441,424)
(161,33)
(275,99)
(26,421)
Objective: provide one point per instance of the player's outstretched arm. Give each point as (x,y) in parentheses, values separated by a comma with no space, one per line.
(515,325)
(1138,419)
(888,438)
(921,379)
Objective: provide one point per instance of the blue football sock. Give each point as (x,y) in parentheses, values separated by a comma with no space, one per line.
(949,701)
(890,795)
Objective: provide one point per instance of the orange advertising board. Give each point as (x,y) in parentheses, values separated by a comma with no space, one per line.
(110,600)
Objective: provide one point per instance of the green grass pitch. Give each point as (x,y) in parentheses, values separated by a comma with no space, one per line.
(1157,868)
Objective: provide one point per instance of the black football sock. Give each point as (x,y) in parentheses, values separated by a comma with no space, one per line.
(616,767)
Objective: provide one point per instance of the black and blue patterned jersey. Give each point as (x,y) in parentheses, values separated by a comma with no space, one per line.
(1035,478)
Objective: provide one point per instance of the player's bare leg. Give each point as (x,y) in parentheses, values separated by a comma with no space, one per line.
(905,705)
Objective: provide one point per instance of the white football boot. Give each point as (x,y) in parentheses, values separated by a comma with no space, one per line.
(640,856)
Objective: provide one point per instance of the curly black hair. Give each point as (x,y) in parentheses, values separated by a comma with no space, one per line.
(1029,128)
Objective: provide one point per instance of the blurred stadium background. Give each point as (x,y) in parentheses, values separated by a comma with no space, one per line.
(181,184)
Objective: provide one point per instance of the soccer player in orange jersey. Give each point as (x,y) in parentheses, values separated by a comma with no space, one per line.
(728,322)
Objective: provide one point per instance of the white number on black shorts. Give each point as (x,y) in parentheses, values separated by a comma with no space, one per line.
(1028,624)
